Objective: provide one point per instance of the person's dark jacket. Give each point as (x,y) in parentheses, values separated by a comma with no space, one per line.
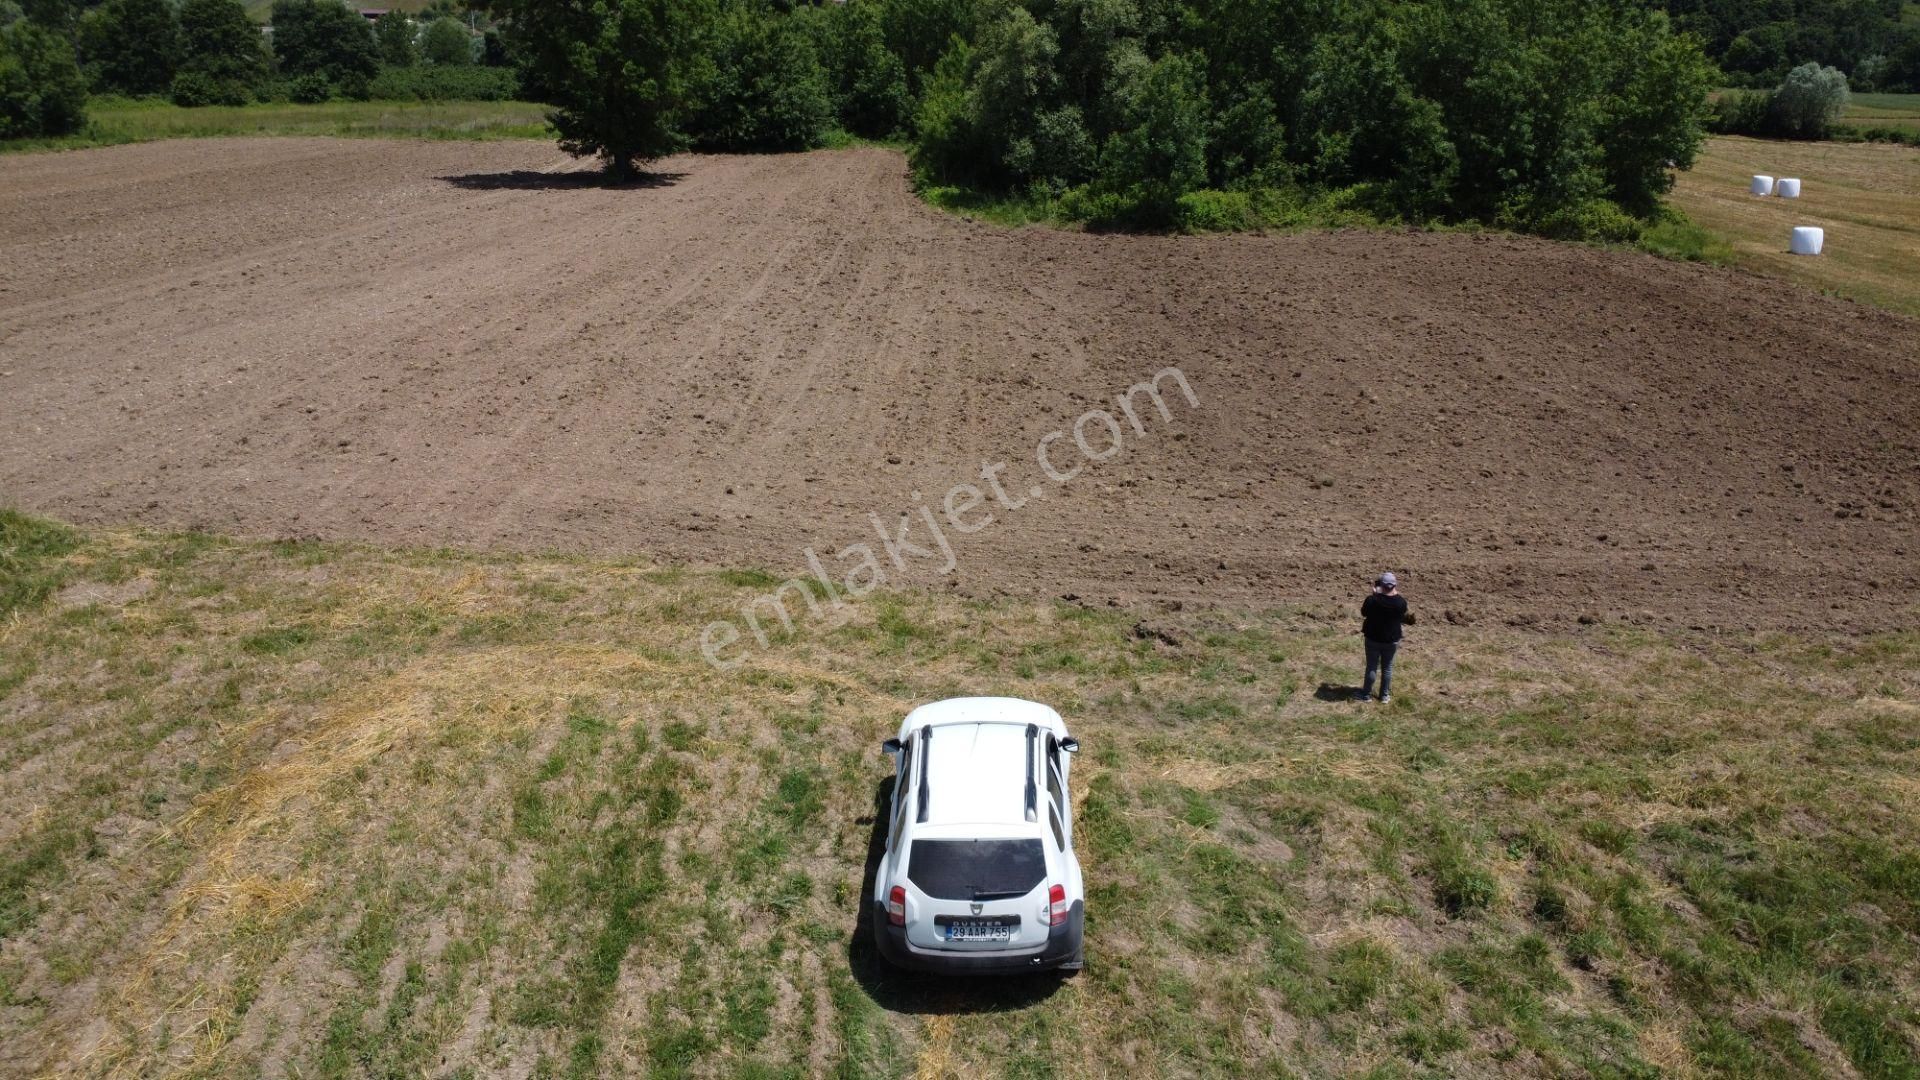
(1381,616)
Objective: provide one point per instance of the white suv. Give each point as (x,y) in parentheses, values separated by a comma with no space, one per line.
(979,874)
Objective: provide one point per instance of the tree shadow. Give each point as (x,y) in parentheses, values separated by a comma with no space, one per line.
(915,992)
(574,180)
(1334,692)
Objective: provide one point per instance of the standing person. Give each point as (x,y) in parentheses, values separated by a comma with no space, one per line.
(1381,616)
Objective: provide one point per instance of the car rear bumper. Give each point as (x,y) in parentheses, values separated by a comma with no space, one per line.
(1062,950)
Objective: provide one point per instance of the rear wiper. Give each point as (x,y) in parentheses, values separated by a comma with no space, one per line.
(997,895)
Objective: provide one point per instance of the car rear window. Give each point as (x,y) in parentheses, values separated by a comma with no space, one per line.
(977,869)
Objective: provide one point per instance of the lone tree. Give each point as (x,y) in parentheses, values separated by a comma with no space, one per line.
(620,73)
(1808,101)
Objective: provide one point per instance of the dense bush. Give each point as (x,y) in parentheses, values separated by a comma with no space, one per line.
(1526,114)
(1804,106)
(445,41)
(130,46)
(1738,112)
(193,90)
(310,89)
(220,44)
(41,89)
(467,83)
(868,81)
(764,87)
(394,34)
(324,39)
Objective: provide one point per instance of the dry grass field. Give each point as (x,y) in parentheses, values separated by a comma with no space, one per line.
(1865,195)
(320,810)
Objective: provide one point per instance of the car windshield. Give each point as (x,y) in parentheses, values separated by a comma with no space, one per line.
(977,869)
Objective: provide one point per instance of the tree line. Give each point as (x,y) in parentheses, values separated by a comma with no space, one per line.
(1557,116)
(1757,42)
(53,53)
(1562,117)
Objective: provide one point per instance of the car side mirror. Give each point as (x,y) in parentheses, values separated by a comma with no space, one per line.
(891,746)
(1071,746)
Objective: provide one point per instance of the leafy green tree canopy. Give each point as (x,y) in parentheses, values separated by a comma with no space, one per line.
(41,89)
(327,39)
(130,46)
(447,42)
(1809,100)
(219,42)
(621,73)
(395,33)
(762,88)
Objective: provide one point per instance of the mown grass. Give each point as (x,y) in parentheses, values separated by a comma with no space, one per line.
(1865,195)
(114,121)
(1883,110)
(283,805)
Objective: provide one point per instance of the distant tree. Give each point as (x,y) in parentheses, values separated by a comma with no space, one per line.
(130,46)
(219,42)
(1808,101)
(41,89)
(447,41)
(325,38)
(621,72)
(394,32)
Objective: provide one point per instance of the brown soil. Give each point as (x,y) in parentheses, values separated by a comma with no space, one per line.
(462,344)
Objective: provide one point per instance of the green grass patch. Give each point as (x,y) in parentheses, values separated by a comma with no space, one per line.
(30,554)
(114,121)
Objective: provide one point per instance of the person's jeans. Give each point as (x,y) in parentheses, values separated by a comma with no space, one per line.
(1380,655)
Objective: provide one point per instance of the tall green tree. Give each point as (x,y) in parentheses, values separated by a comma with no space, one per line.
(447,42)
(326,39)
(621,73)
(130,46)
(869,81)
(764,88)
(394,32)
(222,52)
(41,89)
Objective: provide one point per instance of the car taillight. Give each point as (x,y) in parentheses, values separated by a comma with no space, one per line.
(897,906)
(1056,905)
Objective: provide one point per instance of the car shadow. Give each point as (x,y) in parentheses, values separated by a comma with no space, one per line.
(572,180)
(1334,692)
(917,993)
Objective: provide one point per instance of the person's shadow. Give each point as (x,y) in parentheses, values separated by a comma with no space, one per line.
(1331,692)
(915,992)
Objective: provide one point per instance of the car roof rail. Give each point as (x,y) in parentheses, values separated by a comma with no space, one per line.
(926,736)
(1033,787)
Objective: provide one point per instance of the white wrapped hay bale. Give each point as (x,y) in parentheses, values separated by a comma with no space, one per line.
(1807,240)
(1762,185)
(1787,187)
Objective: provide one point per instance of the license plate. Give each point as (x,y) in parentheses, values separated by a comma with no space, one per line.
(979,930)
